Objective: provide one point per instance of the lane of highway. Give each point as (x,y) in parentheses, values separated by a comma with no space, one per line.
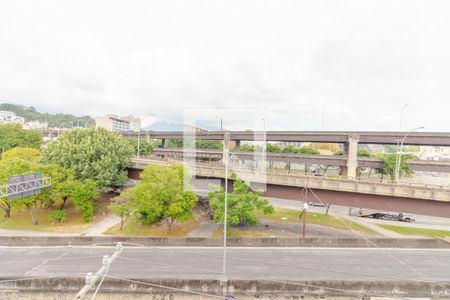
(255,263)
(422,221)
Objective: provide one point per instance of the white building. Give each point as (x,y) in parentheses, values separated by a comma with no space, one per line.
(135,122)
(10,117)
(434,153)
(112,123)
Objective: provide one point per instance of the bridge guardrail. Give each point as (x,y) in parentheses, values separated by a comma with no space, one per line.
(425,192)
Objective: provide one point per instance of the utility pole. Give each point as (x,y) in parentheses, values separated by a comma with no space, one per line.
(305,208)
(401,116)
(225,213)
(399,154)
(91,279)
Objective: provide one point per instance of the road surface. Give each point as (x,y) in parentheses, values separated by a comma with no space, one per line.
(422,221)
(243,263)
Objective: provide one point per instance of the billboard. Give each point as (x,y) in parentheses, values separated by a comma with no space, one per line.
(24,185)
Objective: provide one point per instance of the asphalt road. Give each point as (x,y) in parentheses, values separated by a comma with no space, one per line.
(251,263)
(422,221)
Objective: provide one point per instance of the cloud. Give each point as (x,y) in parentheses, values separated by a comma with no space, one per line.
(362,60)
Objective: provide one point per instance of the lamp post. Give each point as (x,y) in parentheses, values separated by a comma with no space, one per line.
(225,212)
(401,116)
(399,154)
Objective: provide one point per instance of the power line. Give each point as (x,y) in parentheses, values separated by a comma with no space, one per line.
(91,279)
(289,266)
(255,278)
(382,250)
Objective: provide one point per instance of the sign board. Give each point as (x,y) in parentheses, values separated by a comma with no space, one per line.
(24,185)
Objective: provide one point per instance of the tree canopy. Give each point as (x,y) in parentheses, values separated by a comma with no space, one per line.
(390,162)
(163,195)
(96,154)
(29,113)
(28,154)
(242,204)
(13,135)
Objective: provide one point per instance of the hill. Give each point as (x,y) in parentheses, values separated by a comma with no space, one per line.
(29,113)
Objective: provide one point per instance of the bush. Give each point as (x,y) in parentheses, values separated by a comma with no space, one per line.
(58,215)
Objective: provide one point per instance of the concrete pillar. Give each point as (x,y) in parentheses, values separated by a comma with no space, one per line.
(234,144)
(351,151)
(164,142)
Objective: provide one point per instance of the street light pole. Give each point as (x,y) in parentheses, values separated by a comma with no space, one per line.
(399,154)
(225,213)
(401,116)
(139,142)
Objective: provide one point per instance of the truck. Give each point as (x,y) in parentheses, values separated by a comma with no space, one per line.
(389,216)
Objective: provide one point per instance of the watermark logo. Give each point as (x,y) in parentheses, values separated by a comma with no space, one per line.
(225,143)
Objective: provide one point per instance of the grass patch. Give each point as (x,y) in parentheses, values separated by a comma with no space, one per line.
(288,215)
(136,229)
(417,231)
(248,232)
(22,220)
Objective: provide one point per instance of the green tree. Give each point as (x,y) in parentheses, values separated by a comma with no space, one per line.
(28,154)
(272,148)
(175,143)
(10,168)
(163,195)
(121,206)
(339,153)
(95,154)
(308,150)
(290,149)
(58,215)
(247,148)
(363,153)
(84,193)
(48,195)
(29,113)
(145,148)
(242,204)
(205,144)
(12,135)
(390,161)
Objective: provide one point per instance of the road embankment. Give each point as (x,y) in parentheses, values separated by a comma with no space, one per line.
(423,243)
(112,288)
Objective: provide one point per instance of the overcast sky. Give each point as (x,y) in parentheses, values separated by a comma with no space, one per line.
(361,60)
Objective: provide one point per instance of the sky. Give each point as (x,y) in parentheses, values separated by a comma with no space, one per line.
(309,65)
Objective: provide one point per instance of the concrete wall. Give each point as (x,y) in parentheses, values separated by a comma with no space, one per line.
(422,243)
(65,288)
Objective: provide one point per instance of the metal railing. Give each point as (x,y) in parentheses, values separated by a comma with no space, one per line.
(293,173)
(12,189)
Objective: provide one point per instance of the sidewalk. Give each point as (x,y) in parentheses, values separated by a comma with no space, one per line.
(102,226)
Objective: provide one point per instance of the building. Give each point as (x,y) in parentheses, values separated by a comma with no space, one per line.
(9,117)
(112,123)
(36,125)
(135,122)
(434,153)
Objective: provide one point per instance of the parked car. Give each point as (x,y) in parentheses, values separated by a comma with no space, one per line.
(318,204)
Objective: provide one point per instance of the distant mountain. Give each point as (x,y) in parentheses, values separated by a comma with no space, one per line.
(164,126)
(29,113)
(170,126)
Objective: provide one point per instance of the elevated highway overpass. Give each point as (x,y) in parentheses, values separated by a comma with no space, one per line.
(363,137)
(329,160)
(421,199)
(350,139)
